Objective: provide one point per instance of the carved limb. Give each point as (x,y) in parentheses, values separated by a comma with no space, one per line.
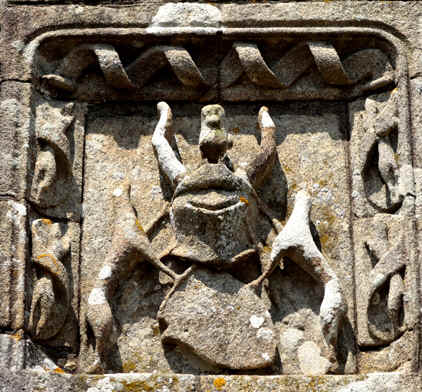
(295,241)
(161,138)
(264,161)
(130,245)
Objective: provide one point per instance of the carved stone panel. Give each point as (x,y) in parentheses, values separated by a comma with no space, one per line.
(119,149)
(211,196)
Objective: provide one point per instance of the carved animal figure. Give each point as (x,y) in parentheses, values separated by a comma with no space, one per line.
(214,214)
(51,295)
(391,261)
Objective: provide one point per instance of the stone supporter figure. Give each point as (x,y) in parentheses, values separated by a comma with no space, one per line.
(214,214)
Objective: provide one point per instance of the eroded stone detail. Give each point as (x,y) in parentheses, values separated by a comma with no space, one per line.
(214,214)
(295,242)
(390,262)
(304,70)
(379,182)
(382,236)
(224,323)
(136,74)
(57,178)
(246,58)
(382,273)
(51,294)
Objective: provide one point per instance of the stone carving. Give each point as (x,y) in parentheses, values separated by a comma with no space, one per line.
(135,75)
(56,184)
(214,217)
(246,58)
(51,294)
(383,268)
(56,194)
(380,130)
(390,262)
(214,251)
(381,191)
(53,289)
(314,66)
(295,241)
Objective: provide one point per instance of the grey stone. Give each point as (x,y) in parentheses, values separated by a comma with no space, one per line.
(12,352)
(15,136)
(13,263)
(220,321)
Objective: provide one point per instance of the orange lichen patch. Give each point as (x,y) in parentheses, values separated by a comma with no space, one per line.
(50,256)
(47,221)
(59,370)
(139,226)
(219,382)
(243,200)
(16,336)
(235,130)
(266,249)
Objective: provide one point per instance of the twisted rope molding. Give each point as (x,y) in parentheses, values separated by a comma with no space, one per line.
(136,75)
(243,58)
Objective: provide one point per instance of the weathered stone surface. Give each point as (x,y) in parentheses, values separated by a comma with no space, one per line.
(12,352)
(52,382)
(54,304)
(102,147)
(13,263)
(15,113)
(219,320)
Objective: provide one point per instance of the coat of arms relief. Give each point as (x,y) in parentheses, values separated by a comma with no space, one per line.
(222,203)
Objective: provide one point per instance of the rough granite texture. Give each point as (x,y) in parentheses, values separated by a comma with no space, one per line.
(203,196)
